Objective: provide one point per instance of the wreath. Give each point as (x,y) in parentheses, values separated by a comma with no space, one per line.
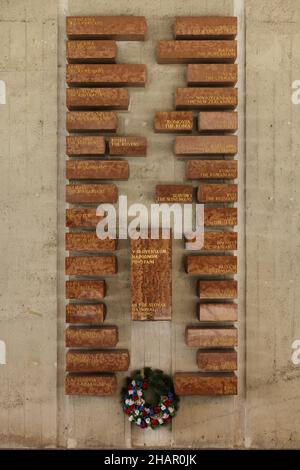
(148,398)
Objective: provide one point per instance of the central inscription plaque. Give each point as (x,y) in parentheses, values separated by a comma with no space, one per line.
(151,279)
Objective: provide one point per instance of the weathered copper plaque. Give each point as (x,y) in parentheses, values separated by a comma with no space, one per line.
(91,265)
(217,289)
(82,218)
(173,121)
(174,193)
(99,170)
(91,385)
(217,121)
(206,98)
(206,265)
(217,312)
(86,121)
(220,216)
(91,193)
(216,169)
(201,383)
(151,279)
(91,51)
(217,192)
(127,146)
(212,74)
(186,52)
(221,337)
(85,313)
(83,337)
(219,241)
(88,241)
(205,27)
(217,360)
(121,28)
(85,290)
(206,145)
(97,98)
(97,361)
(85,145)
(106,74)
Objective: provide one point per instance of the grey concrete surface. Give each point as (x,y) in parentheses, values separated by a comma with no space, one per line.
(33,409)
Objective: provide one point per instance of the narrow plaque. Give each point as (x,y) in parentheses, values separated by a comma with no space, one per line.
(217,121)
(173,121)
(206,98)
(174,193)
(217,312)
(206,145)
(216,169)
(217,289)
(205,27)
(120,28)
(97,361)
(220,216)
(185,52)
(85,290)
(91,193)
(221,337)
(201,383)
(217,192)
(86,121)
(85,145)
(91,385)
(88,241)
(91,51)
(151,279)
(99,170)
(206,265)
(97,98)
(218,241)
(212,74)
(127,146)
(85,313)
(217,360)
(82,218)
(91,265)
(82,337)
(106,74)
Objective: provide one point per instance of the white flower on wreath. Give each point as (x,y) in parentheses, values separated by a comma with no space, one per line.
(138,421)
(140,393)
(137,412)
(130,392)
(130,418)
(163,407)
(165,415)
(133,383)
(171,409)
(147,420)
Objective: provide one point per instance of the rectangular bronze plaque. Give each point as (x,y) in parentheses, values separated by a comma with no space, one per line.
(106,74)
(127,146)
(217,289)
(212,74)
(206,98)
(97,98)
(151,279)
(216,169)
(88,241)
(91,265)
(206,265)
(85,313)
(186,52)
(217,312)
(221,337)
(201,383)
(174,193)
(85,290)
(97,361)
(120,28)
(99,170)
(82,218)
(91,193)
(85,145)
(217,360)
(217,192)
(219,241)
(205,27)
(206,145)
(217,121)
(173,121)
(82,337)
(86,121)
(220,216)
(91,51)
(91,385)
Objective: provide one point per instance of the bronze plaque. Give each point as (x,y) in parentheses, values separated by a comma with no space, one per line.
(205,27)
(186,52)
(206,98)
(212,74)
(201,383)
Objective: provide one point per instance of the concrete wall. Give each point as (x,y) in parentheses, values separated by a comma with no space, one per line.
(33,409)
